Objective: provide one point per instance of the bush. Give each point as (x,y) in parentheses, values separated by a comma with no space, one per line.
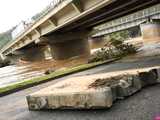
(117,49)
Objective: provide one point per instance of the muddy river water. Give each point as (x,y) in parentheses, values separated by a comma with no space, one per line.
(16,73)
(23,71)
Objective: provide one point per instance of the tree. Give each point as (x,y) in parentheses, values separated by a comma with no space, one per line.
(5,37)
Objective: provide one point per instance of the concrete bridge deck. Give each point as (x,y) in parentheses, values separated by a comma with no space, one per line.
(71,15)
(128,21)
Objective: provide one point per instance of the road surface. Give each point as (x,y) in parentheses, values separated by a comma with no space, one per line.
(144,105)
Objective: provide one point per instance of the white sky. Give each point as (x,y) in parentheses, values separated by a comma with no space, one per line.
(13,11)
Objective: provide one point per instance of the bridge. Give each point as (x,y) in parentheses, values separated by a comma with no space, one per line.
(128,21)
(63,31)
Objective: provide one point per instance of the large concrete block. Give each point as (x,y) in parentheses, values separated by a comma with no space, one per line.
(92,91)
(79,100)
(71,95)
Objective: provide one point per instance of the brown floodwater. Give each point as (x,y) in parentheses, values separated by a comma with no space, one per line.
(23,71)
(16,73)
(27,70)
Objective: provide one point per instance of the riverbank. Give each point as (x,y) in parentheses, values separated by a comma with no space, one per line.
(57,74)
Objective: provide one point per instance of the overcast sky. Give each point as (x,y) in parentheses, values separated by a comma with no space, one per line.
(13,11)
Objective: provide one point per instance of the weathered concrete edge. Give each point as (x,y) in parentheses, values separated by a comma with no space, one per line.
(119,91)
(140,81)
(19,88)
(100,98)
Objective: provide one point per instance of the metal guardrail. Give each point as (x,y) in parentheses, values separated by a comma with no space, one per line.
(49,8)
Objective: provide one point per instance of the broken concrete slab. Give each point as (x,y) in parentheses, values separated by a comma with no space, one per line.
(92,91)
(71,94)
(79,100)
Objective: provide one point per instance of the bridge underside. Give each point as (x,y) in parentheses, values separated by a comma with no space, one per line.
(129,21)
(70,45)
(72,39)
(112,11)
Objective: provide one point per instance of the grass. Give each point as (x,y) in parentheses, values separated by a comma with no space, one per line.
(57,74)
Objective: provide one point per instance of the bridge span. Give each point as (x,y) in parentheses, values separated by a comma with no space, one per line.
(129,21)
(63,32)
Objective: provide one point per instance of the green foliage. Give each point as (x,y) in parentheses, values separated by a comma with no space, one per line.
(114,52)
(101,55)
(4,38)
(117,48)
(115,42)
(37,16)
(120,36)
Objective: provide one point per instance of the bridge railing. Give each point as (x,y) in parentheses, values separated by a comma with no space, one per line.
(127,21)
(135,16)
(48,9)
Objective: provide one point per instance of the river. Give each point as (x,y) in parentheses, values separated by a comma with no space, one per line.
(16,73)
(22,71)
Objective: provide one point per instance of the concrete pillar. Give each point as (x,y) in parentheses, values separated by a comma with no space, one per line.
(69,49)
(47,51)
(97,42)
(71,44)
(32,54)
(35,53)
(71,53)
(150,32)
(62,47)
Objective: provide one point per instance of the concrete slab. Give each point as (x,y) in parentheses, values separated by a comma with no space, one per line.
(93,91)
(71,93)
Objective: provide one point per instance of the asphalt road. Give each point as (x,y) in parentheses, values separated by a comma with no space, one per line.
(144,105)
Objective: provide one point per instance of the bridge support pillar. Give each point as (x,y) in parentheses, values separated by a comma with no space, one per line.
(70,47)
(150,32)
(36,53)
